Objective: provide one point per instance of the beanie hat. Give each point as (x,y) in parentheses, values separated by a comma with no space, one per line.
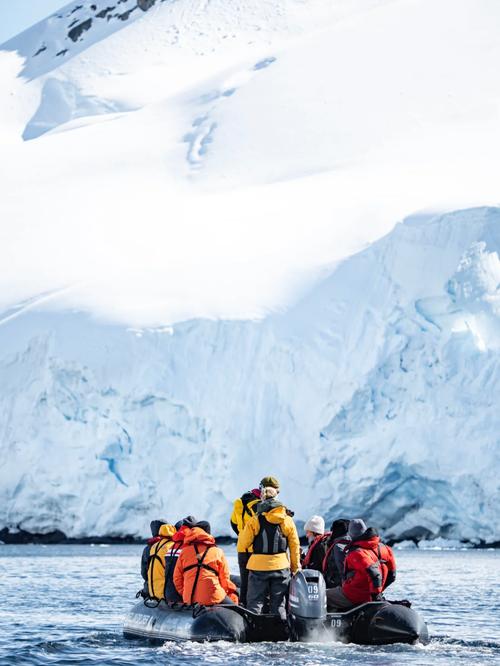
(155,526)
(268,493)
(315,524)
(270,482)
(357,527)
(203,525)
(339,528)
(189,521)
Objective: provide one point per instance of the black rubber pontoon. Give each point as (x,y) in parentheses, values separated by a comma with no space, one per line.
(374,623)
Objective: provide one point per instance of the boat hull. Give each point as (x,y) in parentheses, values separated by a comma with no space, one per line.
(375,623)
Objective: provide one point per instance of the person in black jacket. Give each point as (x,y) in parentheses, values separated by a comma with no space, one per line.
(333,563)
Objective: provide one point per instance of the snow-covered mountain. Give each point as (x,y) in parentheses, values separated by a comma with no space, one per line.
(192,290)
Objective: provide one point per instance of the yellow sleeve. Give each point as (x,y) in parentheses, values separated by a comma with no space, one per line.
(237,515)
(248,534)
(290,532)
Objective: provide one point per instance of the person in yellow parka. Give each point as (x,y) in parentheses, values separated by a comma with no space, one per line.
(160,568)
(271,533)
(243,510)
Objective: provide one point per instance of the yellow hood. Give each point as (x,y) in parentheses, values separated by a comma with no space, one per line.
(166,531)
(276,515)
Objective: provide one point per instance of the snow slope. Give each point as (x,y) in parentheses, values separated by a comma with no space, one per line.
(188,197)
(376,395)
(244,172)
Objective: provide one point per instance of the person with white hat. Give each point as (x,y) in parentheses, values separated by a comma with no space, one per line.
(316,537)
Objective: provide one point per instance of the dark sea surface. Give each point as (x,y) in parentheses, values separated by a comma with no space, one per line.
(65,605)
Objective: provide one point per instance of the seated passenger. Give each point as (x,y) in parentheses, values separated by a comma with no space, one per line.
(333,564)
(202,573)
(369,568)
(157,573)
(154,526)
(171,557)
(316,537)
(270,533)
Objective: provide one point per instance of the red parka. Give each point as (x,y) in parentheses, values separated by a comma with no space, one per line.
(202,572)
(369,567)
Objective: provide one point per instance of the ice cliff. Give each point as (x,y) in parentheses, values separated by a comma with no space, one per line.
(376,395)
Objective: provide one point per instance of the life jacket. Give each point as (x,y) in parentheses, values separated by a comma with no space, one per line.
(270,540)
(248,502)
(202,573)
(366,567)
(331,573)
(313,552)
(243,510)
(156,562)
(199,565)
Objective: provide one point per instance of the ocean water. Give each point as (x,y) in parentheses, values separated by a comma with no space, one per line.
(65,605)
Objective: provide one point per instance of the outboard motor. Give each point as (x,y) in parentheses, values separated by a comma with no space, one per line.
(307,606)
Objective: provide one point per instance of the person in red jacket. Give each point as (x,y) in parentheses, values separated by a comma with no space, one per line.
(369,568)
(317,538)
(201,574)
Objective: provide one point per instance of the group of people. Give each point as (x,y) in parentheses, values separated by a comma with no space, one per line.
(182,562)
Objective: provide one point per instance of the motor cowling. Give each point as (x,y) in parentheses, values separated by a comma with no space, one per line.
(307,604)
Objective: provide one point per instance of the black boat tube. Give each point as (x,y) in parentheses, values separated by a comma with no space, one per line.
(177,622)
(378,623)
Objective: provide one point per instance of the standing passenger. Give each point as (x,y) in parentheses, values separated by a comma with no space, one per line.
(243,510)
(270,533)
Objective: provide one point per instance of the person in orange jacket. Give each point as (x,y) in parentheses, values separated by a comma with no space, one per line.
(201,574)
(369,568)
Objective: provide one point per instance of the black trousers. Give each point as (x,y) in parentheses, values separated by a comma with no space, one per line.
(242,563)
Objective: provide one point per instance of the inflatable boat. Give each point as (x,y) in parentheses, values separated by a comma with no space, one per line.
(373,623)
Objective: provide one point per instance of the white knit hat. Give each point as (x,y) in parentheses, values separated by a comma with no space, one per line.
(315,524)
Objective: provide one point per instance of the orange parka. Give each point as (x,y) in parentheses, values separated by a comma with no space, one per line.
(202,572)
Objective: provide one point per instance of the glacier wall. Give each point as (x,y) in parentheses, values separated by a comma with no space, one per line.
(376,395)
